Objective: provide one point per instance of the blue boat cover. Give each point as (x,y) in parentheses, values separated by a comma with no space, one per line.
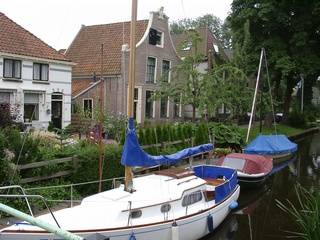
(271,145)
(213,172)
(134,156)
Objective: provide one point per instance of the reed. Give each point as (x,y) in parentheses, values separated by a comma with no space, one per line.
(306,213)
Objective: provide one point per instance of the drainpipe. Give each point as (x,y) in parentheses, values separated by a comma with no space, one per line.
(37,222)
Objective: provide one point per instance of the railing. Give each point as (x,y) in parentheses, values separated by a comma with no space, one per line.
(61,173)
(72,186)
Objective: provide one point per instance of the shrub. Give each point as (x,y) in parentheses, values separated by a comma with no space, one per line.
(88,167)
(296,119)
(25,148)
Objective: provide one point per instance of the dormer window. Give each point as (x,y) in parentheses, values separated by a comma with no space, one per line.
(155,37)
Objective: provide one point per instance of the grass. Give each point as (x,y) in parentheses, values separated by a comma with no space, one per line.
(306,213)
(281,129)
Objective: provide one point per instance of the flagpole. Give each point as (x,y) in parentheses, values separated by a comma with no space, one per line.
(128,171)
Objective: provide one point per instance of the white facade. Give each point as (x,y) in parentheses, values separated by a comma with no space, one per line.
(34,97)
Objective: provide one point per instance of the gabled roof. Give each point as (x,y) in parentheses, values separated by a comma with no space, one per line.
(82,85)
(208,40)
(85,49)
(14,39)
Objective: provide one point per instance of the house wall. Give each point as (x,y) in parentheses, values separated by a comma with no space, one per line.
(59,81)
(111,100)
(143,51)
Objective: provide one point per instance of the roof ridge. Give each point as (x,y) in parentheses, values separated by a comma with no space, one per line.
(32,35)
(105,24)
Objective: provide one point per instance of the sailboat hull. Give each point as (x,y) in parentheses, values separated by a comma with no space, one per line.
(190,227)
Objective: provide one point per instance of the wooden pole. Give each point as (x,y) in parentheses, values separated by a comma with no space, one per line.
(101,118)
(128,172)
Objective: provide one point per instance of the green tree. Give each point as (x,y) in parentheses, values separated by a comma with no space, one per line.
(187,81)
(220,30)
(289,31)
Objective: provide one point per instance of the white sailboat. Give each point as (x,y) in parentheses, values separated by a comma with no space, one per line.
(172,204)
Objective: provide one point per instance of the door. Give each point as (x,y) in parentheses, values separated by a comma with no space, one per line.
(56,110)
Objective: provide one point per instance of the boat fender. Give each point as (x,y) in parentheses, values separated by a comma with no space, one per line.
(210,223)
(175,231)
(132,237)
(233,205)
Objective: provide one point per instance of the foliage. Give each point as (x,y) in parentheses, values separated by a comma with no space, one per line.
(5,170)
(306,213)
(286,29)
(87,169)
(226,135)
(296,119)
(220,30)
(228,85)
(10,114)
(186,83)
(115,125)
(25,148)
(281,129)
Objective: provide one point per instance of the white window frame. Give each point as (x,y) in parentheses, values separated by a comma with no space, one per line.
(167,109)
(169,76)
(91,105)
(153,105)
(155,70)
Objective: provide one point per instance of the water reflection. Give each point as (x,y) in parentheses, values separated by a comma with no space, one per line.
(258,217)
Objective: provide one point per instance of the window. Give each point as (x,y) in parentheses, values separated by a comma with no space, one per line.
(164,107)
(135,214)
(40,72)
(191,198)
(149,105)
(4,97)
(12,68)
(155,37)
(31,107)
(135,103)
(235,163)
(176,108)
(151,70)
(166,70)
(88,107)
(165,208)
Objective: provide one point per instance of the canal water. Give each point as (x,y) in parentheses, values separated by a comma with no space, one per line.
(259,217)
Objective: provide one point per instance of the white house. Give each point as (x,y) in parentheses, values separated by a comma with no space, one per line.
(34,77)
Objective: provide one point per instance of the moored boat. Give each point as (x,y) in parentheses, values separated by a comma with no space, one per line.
(169,204)
(174,202)
(278,147)
(252,169)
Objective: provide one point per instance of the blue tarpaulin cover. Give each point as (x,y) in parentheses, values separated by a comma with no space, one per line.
(213,172)
(134,156)
(271,145)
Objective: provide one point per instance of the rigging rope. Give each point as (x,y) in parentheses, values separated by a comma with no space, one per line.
(270,91)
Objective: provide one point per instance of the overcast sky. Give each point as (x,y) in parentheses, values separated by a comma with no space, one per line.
(57,21)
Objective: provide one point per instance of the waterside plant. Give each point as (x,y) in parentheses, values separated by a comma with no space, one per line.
(306,213)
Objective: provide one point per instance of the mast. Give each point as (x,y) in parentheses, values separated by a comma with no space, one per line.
(255,95)
(101,118)
(128,172)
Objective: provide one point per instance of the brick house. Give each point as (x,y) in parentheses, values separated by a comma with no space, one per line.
(212,51)
(34,77)
(155,56)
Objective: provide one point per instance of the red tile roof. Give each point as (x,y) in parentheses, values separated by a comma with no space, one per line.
(15,39)
(80,85)
(85,50)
